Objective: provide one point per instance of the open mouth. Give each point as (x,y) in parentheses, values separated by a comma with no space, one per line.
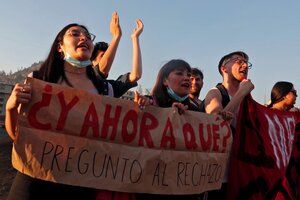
(83,45)
(186,85)
(244,72)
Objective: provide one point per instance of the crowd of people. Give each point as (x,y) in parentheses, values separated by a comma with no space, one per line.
(75,61)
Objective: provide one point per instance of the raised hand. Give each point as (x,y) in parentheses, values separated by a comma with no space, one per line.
(136,72)
(115,28)
(246,86)
(138,29)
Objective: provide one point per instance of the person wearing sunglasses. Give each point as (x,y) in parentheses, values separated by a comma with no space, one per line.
(283,96)
(104,54)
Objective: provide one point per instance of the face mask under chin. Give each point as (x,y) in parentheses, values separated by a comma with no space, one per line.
(77,63)
(175,96)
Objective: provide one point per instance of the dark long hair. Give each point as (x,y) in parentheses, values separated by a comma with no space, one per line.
(52,68)
(159,91)
(280,90)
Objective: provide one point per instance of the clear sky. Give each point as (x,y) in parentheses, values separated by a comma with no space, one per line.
(198,31)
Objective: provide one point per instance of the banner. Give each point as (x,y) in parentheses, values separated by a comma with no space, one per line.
(290,187)
(73,137)
(261,152)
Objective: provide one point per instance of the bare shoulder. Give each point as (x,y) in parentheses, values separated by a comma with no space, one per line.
(213,101)
(213,93)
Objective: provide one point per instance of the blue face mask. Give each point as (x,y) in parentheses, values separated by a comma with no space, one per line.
(77,63)
(175,96)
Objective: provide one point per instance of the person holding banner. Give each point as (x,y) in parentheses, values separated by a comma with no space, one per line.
(228,95)
(171,89)
(233,67)
(283,97)
(68,64)
(172,86)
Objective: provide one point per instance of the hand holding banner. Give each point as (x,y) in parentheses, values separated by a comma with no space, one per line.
(73,137)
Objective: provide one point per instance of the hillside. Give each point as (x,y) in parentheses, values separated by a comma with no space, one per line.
(18,76)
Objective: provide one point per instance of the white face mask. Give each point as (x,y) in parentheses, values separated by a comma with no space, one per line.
(76,63)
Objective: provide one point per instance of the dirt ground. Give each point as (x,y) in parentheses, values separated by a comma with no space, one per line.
(7,172)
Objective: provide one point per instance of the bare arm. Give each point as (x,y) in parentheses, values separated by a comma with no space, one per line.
(20,94)
(136,72)
(109,56)
(213,100)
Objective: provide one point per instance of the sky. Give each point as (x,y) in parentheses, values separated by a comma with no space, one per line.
(197,31)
